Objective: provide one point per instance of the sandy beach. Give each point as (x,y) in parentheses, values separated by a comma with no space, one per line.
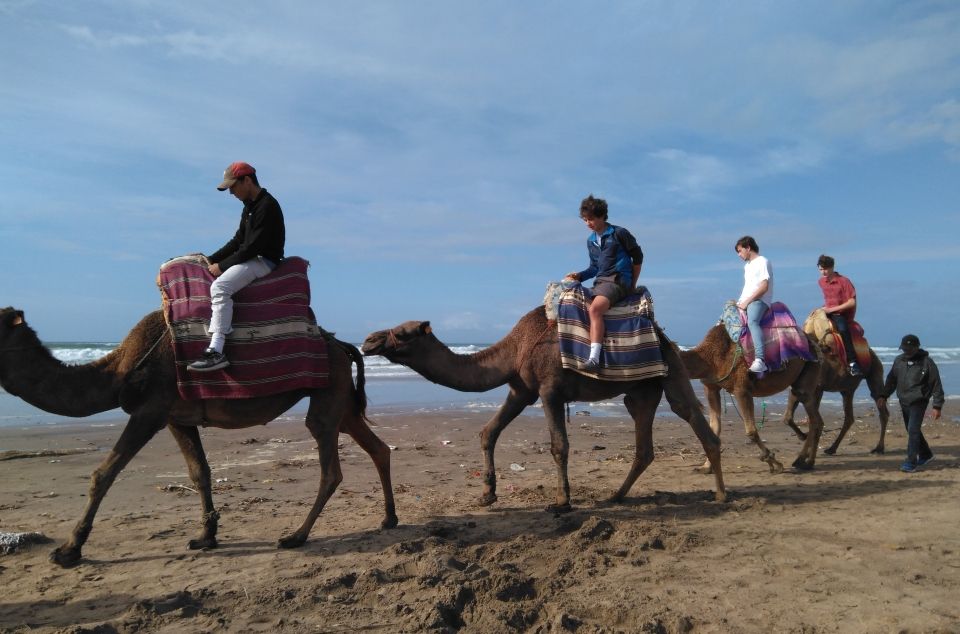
(854,546)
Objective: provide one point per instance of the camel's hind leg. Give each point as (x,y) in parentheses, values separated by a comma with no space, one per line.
(188,438)
(847,397)
(875,383)
(712,392)
(323,421)
(560,448)
(379,452)
(641,403)
(745,403)
(516,402)
(683,401)
(788,414)
(139,430)
(806,389)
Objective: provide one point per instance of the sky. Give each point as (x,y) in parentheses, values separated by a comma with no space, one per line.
(430,157)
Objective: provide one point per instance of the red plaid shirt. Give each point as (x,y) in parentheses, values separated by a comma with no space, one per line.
(836,291)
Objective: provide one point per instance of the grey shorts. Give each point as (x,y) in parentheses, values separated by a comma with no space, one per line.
(609,288)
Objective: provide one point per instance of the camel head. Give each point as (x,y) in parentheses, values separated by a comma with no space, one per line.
(399,342)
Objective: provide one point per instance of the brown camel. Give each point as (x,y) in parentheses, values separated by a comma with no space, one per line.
(835,378)
(528,359)
(717,364)
(140,376)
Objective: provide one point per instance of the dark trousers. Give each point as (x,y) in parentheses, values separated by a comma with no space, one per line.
(917,446)
(840,323)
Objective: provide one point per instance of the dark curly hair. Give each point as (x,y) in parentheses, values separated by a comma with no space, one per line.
(592,207)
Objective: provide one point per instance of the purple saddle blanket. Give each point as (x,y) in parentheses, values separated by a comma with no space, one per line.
(783,339)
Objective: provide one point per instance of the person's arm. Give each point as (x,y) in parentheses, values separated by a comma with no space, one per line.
(936,392)
(839,308)
(588,272)
(260,229)
(889,385)
(757,294)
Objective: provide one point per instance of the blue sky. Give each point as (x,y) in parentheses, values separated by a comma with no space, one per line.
(430,157)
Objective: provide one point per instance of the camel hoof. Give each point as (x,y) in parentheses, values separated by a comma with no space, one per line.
(721,496)
(389,521)
(65,557)
(487,499)
(610,501)
(830,451)
(291,541)
(775,467)
(202,543)
(802,465)
(877,450)
(559,508)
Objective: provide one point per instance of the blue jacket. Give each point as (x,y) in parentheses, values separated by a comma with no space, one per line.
(614,253)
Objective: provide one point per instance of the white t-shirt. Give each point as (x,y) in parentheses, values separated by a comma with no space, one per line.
(754,272)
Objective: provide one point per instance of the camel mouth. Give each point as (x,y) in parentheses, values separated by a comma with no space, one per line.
(373,345)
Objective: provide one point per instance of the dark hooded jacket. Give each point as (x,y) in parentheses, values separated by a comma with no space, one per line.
(915,379)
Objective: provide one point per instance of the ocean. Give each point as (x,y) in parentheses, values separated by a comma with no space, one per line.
(391,386)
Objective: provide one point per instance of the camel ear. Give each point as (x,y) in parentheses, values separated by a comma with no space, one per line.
(425,328)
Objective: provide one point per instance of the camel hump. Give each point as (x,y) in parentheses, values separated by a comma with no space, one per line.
(819,326)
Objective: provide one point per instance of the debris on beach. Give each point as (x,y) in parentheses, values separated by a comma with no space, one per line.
(15,454)
(517,467)
(12,542)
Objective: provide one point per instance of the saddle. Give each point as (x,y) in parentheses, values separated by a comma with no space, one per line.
(783,339)
(276,345)
(819,326)
(631,347)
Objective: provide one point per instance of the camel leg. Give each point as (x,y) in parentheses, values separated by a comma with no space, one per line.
(560,448)
(379,452)
(323,418)
(683,401)
(188,438)
(806,389)
(516,402)
(792,404)
(847,396)
(139,430)
(745,403)
(875,383)
(642,404)
(712,393)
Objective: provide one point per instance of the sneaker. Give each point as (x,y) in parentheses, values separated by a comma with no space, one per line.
(908,467)
(212,360)
(758,366)
(591,365)
(923,461)
(854,369)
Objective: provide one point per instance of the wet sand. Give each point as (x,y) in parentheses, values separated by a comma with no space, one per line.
(853,546)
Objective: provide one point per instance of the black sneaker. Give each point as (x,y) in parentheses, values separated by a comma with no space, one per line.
(854,369)
(591,365)
(212,360)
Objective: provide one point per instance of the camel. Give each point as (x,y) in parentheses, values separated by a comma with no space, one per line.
(140,376)
(716,362)
(835,378)
(528,359)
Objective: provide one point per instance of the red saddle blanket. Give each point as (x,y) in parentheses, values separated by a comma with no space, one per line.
(276,345)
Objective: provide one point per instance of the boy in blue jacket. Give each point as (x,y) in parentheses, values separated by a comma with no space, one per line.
(615,261)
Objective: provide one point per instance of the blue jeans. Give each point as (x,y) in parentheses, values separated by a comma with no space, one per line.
(840,323)
(755,310)
(917,446)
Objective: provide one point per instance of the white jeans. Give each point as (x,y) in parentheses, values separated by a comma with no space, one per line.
(223,288)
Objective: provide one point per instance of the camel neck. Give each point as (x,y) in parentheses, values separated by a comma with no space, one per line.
(478,372)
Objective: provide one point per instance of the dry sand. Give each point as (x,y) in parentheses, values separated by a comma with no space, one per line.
(854,546)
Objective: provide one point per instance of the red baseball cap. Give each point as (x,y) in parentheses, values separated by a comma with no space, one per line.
(234,172)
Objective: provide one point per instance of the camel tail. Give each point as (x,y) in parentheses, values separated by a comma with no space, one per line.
(360,392)
(678,378)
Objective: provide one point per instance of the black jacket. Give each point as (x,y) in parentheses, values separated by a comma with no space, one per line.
(915,380)
(261,233)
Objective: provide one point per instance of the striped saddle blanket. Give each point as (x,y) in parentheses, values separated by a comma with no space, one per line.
(631,348)
(276,345)
(783,339)
(819,326)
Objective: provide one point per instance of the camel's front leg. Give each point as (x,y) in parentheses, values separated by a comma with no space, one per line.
(712,393)
(792,404)
(141,427)
(188,438)
(875,383)
(683,401)
(642,405)
(323,421)
(516,402)
(847,396)
(884,413)
(560,448)
(808,453)
(745,403)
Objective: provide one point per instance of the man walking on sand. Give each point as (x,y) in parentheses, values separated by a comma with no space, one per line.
(253,252)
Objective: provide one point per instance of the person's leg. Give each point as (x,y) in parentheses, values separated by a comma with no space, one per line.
(598,308)
(755,311)
(222,291)
(840,323)
(913,417)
